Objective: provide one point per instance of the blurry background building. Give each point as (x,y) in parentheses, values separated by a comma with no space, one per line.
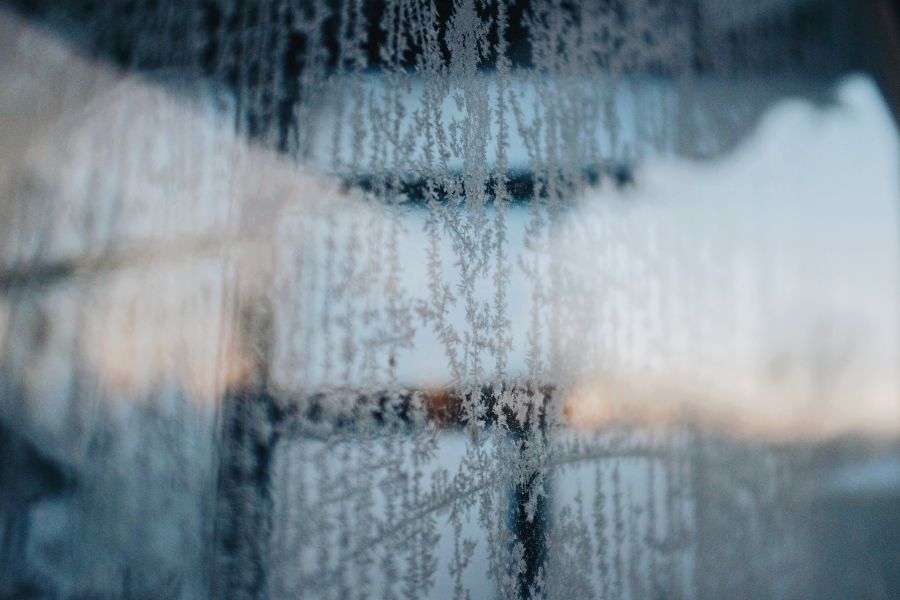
(420,299)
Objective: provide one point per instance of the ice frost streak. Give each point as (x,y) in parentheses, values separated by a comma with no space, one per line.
(387,187)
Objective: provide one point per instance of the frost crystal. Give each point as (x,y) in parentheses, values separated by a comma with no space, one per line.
(362,299)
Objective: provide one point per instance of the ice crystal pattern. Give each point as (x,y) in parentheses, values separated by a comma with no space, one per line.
(290,308)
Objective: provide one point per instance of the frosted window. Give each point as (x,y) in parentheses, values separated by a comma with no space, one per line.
(469,299)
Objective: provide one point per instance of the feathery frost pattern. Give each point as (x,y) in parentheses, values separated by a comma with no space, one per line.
(361,299)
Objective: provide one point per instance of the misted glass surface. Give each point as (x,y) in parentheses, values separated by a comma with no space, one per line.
(448,299)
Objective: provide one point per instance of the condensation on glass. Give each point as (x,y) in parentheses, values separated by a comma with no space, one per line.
(446,299)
